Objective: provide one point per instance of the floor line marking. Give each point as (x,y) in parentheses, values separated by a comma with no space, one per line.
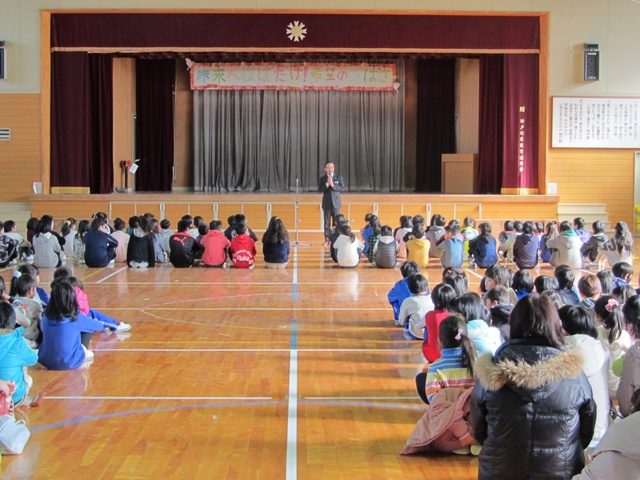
(111,275)
(234,283)
(473,272)
(401,399)
(81,397)
(254,350)
(261,309)
(292,416)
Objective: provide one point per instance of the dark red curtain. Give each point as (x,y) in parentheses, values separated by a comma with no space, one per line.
(490,130)
(81,121)
(154,126)
(436,121)
(520,152)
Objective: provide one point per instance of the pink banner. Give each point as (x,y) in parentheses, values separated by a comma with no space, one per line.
(293,76)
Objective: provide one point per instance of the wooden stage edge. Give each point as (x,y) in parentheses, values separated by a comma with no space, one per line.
(260,206)
(288,197)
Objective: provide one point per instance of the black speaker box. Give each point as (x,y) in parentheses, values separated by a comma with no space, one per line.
(591,66)
(2,60)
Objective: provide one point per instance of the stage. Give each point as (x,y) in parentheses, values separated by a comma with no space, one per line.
(259,207)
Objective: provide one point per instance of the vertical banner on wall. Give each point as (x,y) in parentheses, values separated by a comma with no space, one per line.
(520,147)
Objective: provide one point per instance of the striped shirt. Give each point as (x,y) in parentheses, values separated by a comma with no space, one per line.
(448,371)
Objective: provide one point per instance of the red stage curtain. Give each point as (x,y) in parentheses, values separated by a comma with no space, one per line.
(154,139)
(436,121)
(520,150)
(81,121)
(349,31)
(491,124)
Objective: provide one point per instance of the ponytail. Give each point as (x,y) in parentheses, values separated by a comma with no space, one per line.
(453,334)
(608,309)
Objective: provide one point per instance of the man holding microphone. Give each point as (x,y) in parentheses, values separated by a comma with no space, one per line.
(330,185)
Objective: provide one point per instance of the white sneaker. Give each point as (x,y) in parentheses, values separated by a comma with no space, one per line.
(123,327)
(88,355)
(112,263)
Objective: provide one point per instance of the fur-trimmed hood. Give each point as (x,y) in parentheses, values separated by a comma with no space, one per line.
(532,371)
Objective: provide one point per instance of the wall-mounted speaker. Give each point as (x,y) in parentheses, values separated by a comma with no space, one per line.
(591,65)
(3,70)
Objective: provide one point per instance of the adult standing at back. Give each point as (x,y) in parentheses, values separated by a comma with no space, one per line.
(331,184)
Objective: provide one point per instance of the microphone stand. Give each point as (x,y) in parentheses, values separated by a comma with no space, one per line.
(297,217)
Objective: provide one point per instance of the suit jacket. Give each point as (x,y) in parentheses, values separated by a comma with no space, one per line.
(331,195)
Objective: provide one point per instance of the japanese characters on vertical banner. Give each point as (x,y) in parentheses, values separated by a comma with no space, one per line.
(293,76)
(596,122)
(521,144)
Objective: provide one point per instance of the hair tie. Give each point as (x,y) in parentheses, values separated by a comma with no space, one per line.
(459,335)
(17,274)
(611,304)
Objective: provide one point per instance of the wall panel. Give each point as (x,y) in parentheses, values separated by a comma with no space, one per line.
(595,176)
(20,156)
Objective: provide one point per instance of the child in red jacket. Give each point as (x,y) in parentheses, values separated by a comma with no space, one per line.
(243,248)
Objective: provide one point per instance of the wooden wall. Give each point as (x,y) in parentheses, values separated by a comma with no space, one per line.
(124,108)
(595,176)
(183,130)
(19,157)
(259,208)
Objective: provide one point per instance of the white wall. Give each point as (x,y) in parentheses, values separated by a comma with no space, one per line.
(613,24)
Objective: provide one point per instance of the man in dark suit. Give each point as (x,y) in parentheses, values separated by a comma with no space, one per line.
(330,185)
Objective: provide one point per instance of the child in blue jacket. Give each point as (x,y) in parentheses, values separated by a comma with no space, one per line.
(400,290)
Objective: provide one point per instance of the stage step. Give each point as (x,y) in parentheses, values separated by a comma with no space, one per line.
(589,211)
(18,212)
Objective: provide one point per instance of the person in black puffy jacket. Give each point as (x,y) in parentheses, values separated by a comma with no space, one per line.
(532,408)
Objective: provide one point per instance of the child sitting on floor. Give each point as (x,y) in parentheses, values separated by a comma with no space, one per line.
(15,355)
(455,366)
(441,296)
(385,250)
(243,248)
(470,306)
(67,332)
(497,301)
(414,309)
(215,246)
(24,286)
(400,290)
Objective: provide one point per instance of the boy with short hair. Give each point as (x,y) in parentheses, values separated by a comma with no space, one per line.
(590,290)
(414,309)
(400,290)
(24,247)
(243,248)
(8,249)
(165,233)
(183,246)
(450,249)
(418,247)
(622,272)
(25,288)
(497,301)
(215,246)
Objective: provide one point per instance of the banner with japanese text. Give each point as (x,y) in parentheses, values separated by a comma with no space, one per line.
(293,76)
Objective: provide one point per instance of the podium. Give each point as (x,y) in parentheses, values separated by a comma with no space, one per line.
(459,172)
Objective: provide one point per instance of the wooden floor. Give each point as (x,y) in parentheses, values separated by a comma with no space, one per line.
(237,374)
